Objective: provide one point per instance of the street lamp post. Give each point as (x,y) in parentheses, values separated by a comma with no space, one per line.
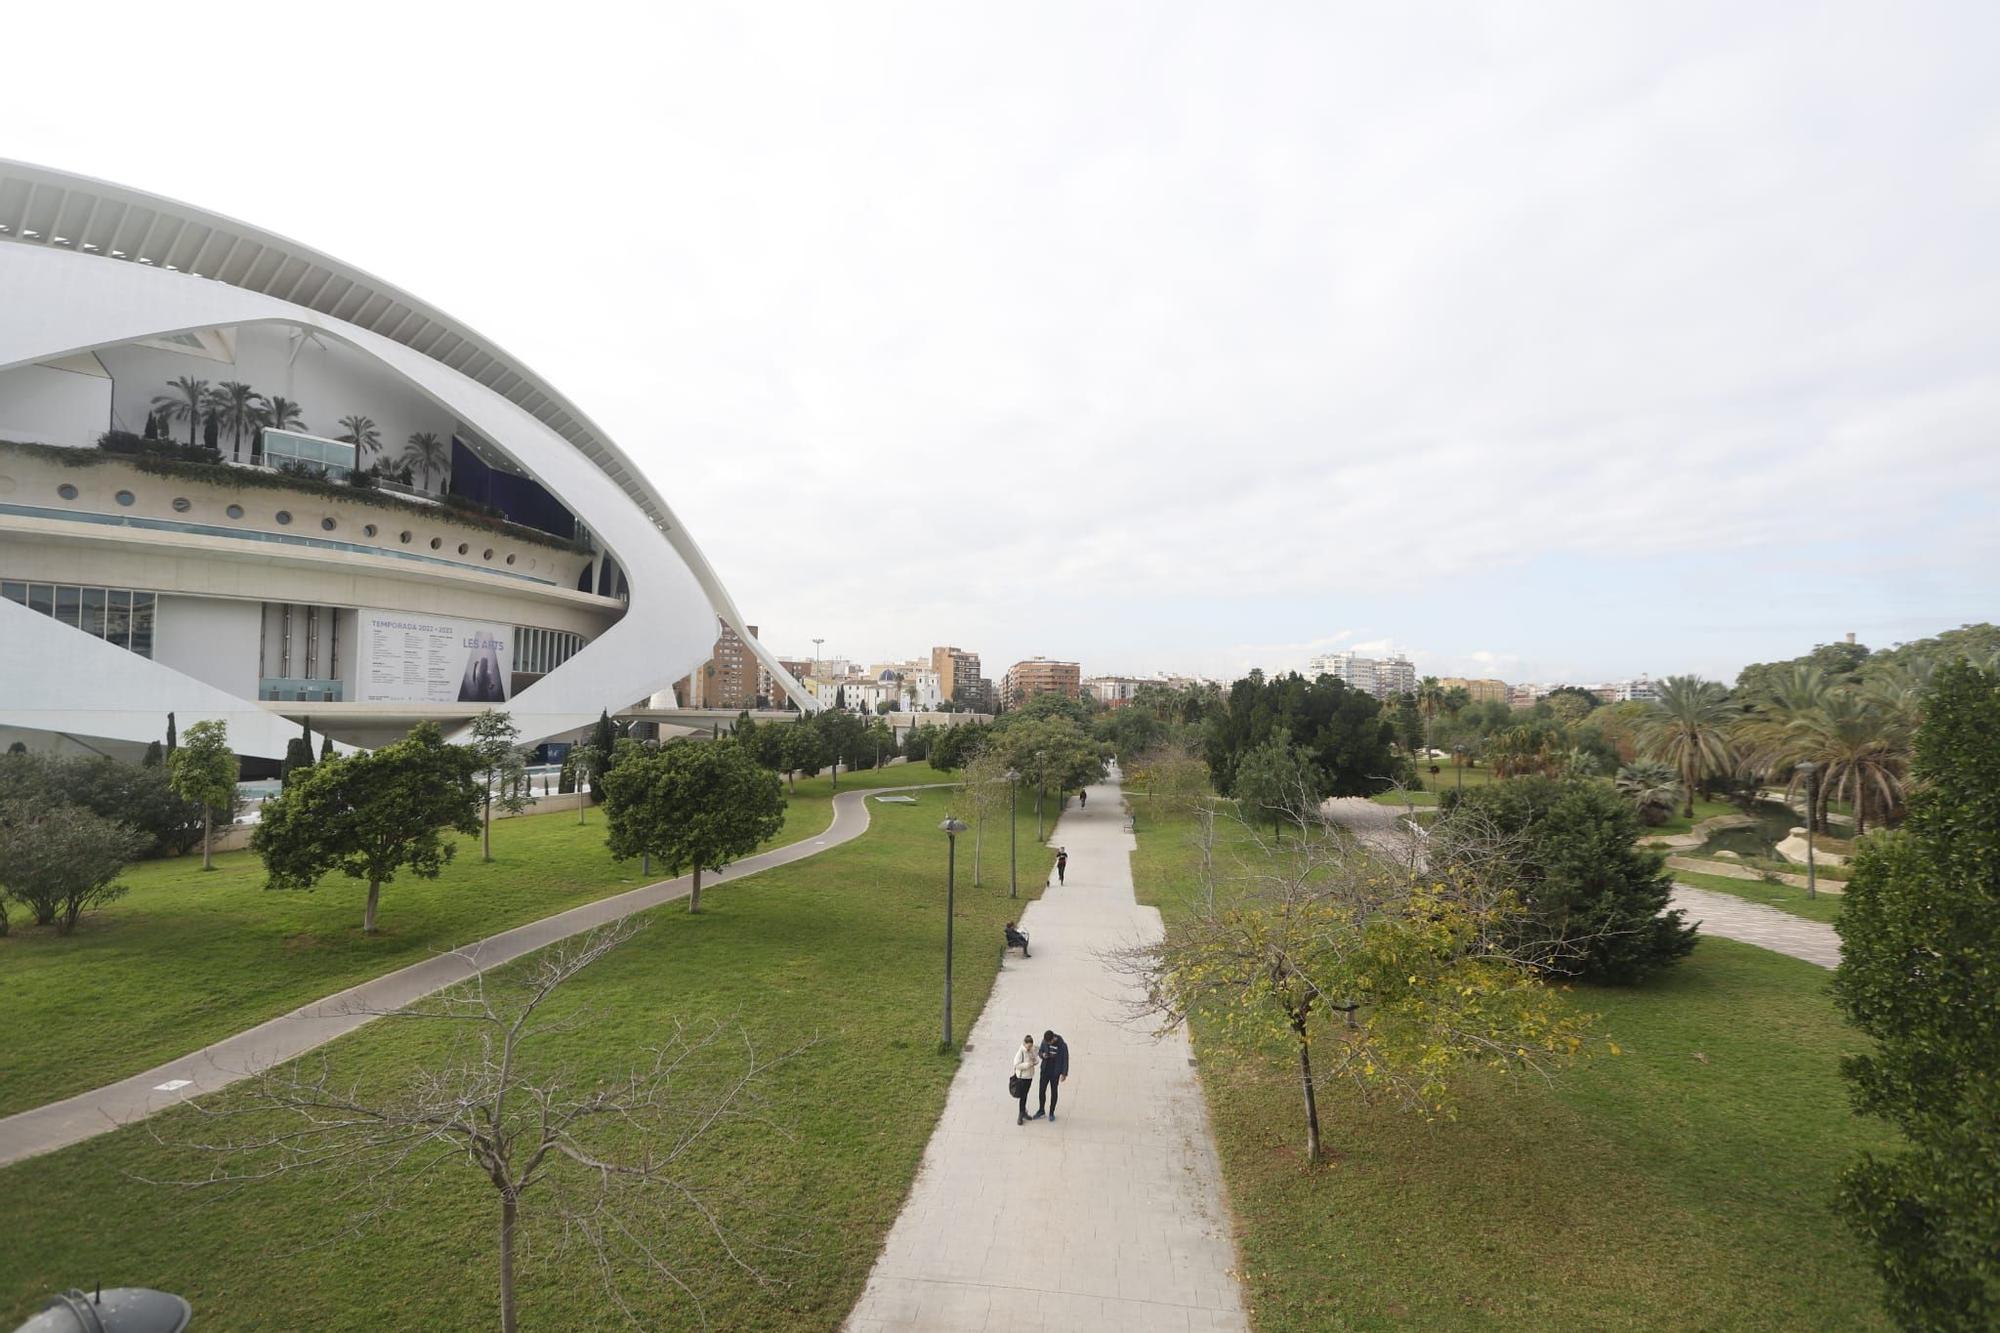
(952,828)
(1809,770)
(1013,803)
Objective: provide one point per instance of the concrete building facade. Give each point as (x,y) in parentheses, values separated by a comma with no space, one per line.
(1040,675)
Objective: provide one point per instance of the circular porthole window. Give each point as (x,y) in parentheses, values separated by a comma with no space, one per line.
(66,491)
(125,498)
(510,558)
(234,511)
(368,529)
(284,517)
(182,504)
(463,547)
(405,539)
(488,555)
(436,542)
(327,525)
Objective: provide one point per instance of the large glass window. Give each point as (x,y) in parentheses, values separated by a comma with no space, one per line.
(321,457)
(115,615)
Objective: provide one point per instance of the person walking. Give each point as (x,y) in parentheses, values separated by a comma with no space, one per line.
(1025,1060)
(1062,864)
(1054,1056)
(1083,799)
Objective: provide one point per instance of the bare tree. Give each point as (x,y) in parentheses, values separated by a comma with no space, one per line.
(607,1159)
(982,796)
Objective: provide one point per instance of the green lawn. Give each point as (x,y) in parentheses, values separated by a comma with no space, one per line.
(1679,823)
(844,947)
(1784,897)
(1684,1183)
(188,957)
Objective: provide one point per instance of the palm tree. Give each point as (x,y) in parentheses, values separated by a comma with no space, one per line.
(363,434)
(186,403)
(1688,727)
(235,406)
(273,414)
(1430,695)
(1863,748)
(426,451)
(1651,787)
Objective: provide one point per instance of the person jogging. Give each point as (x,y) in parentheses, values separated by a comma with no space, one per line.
(1062,864)
(1054,1057)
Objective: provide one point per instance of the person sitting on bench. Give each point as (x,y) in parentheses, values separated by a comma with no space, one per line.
(1016,939)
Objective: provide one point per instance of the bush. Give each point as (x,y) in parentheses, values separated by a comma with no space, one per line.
(1595,902)
(59,859)
(138,446)
(132,794)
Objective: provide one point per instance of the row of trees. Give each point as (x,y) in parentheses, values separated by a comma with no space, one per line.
(234,407)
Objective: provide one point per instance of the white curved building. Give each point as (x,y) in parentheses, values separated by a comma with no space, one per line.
(527,563)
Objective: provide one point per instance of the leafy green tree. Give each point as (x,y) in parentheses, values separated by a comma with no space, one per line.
(494,737)
(1651,787)
(1920,951)
(326,750)
(1342,730)
(1052,753)
(1570,704)
(298,752)
(124,793)
(954,746)
(203,772)
(59,859)
(603,744)
(371,816)
(801,749)
(1688,726)
(1420,971)
(1277,781)
(694,805)
(1596,903)
(156,756)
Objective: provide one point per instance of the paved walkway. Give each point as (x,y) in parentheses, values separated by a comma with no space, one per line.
(1734,918)
(1112,1216)
(59,1124)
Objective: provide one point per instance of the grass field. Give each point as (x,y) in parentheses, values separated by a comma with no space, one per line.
(1682,1184)
(188,957)
(845,947)
(1784,897)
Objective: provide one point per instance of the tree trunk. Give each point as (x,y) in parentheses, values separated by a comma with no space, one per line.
(1687,781)
(582,800)
(508,1205)
(694,894)
(1306,1084)
(374,897)
(1860,806)
(486,831)
(207,840)
(978,835)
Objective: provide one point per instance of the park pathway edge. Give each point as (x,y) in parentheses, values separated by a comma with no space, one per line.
(1110,1217)
(59,1124)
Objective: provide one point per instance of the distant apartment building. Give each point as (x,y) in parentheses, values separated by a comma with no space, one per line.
(1039,675)
(1484,691)
(1384,677)
(958,677)
(1641,690)
(1114,691)
(1525,695)
(730,678)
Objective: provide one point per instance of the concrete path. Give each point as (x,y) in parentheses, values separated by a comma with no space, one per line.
(1111,1217)
(1734,918)
(59,1124)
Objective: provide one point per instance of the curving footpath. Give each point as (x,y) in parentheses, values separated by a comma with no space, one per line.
(88,1114)
(1112,1216)
(1736,918)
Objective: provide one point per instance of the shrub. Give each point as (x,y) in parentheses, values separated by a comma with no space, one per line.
(136,795)
(59,859)
(1595,901)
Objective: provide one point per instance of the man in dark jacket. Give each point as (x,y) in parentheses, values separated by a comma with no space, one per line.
(1054,1052)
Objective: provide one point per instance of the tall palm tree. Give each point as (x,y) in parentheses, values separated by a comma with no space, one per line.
(426,451)
(1862,747)
(235,411)
(363,434)
(1688,727)
(186,403)
(1430,696)
(274,414)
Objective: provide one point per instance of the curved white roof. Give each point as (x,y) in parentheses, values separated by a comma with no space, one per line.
(40,206)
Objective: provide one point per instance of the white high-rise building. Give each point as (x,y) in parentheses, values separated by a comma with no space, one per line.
(1384,678)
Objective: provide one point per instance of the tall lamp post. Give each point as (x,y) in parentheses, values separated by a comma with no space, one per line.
(1013,806)
(1808,770)
(952,828)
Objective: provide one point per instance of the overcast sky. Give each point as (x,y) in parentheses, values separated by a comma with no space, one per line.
(1538,340)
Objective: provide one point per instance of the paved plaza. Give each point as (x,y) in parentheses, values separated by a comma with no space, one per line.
(1110,1218)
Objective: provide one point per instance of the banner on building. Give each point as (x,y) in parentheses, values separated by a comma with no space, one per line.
(410,658)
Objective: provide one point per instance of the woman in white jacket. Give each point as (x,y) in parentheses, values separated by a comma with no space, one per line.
(1025,1060)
